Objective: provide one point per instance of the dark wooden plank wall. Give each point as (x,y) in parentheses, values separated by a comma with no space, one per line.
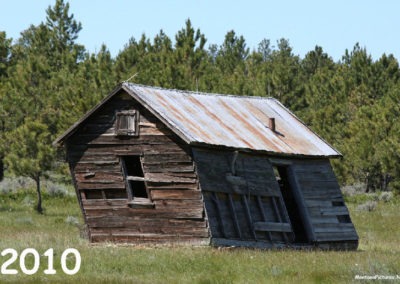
(242,198)
(324,202)
(93,153)
(244,204)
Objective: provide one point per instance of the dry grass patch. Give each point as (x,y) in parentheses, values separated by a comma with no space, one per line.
(58,228)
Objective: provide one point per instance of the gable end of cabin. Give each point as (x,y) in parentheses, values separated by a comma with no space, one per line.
(134,178)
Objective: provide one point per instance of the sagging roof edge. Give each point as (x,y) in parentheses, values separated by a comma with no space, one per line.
(70,131)
(265,152)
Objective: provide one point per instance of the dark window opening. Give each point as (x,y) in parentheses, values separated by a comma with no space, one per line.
(115,194)
(337,203)
(127,123)
(133,172)
(292,207)
(341,218)
(105,194)
(94,194)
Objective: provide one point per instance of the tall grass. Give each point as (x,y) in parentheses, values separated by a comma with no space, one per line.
(59,228)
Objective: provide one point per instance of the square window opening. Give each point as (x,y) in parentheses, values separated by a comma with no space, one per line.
(127,123)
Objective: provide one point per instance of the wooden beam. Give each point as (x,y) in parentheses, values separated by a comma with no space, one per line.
(235,180)
(235,219)
(334,211)
(272,227)
(248,215)
(127,184)
(214,198)
(301,200)
(133,178)
(261,206)
(217,242)
(278,214)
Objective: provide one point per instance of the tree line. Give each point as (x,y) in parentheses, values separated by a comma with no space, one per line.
(48,80)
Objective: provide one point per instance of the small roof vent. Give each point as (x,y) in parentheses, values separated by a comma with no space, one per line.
(271,123)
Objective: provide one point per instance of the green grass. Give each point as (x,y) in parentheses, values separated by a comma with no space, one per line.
(21,227)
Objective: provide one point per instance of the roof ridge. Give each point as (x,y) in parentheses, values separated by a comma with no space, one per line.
(188,92)
(234,123)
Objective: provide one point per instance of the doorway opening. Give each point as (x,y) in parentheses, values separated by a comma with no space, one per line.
(292,206)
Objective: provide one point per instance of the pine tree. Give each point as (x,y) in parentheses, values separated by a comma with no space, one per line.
(230,61)
(283,76)
(189,56)
(5,52)
(30,153)
(130,60)
(64,31)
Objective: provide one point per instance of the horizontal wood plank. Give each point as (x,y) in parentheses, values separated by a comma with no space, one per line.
(218,242)
(150,239)
(168,178)
(336,211)
(272,227)
(118,214)
(175,194)
(96,186)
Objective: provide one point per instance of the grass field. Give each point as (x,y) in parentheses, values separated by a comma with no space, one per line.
(59,228)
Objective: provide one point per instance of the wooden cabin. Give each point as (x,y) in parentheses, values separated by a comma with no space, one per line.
(153,165)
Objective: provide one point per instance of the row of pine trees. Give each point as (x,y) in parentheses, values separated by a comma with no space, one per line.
(48,80)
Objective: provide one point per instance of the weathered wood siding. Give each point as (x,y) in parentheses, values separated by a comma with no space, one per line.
(328,214)
(94,156)
(242,197)
(245,206)
(243,202)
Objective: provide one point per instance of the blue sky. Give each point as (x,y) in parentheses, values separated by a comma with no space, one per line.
(334,25)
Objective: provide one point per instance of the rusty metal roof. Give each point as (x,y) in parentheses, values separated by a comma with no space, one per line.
(231,121)
(224,120)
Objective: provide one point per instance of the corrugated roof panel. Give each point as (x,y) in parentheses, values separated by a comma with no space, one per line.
(232,121)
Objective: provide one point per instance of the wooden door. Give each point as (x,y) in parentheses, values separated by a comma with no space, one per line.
(242,198)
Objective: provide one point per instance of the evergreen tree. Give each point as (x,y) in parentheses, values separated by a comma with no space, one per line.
(233,52)
(30,153)
(189,56)
(46,77)
(284,76)
(64,31)
(230,61)
(128,60)
(42,63)
(5,53)
(316,60)
(83,89)
(156,66)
